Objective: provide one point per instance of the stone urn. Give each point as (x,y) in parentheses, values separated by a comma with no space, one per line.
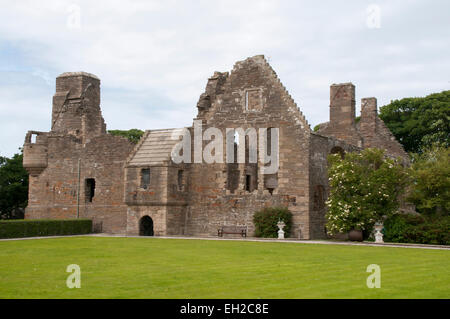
(280,225)
(378,234)
(355,235)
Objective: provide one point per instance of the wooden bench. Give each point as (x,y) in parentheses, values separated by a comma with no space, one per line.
(240,230)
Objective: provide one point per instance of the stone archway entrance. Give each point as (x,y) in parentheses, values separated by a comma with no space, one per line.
(338,150)
(146,226)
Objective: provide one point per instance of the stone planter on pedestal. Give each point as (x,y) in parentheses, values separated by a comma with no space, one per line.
(280,225)
(378,235)
(355,235)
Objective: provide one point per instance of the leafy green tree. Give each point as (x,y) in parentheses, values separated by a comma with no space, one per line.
(418,122)
(364,188)
(13,186)
(431,174)
(134,135)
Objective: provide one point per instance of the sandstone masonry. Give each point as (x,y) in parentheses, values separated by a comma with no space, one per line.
(78,169)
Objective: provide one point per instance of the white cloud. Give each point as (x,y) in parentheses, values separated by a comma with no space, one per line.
(154,57)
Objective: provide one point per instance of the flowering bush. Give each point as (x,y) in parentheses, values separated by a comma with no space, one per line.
(364,188)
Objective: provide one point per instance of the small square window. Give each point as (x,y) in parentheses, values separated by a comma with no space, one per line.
(180,180)
(145,178)
(253,100)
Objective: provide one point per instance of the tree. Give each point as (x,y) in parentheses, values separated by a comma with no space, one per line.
(13,187)
(364,189)
(431,175)
(418,122)
(134,135)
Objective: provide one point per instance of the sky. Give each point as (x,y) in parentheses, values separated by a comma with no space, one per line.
(154,57)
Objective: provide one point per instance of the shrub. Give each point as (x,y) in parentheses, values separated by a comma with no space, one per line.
(266,220)
(431,181)
(44,227)
(417,229)
(133,135)
(364,187)
(13,187)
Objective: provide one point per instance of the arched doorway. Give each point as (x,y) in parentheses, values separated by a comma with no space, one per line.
(338,150)
(146,226)
(319,198)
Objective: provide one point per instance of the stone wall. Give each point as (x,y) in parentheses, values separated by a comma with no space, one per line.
(251,96)
(375,133)
(370,131)
(78,138)
(197,198)
(342,115)
(164,200)
(322,146)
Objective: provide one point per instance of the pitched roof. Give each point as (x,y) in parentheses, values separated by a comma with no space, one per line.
(155,147)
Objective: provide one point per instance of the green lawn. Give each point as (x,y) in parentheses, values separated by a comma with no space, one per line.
(176,268)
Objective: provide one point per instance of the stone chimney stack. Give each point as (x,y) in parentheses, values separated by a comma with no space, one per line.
(342,114)
(342,105)
(76,106)
(369,113)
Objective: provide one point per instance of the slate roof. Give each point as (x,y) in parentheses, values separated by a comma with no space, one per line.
(155,147)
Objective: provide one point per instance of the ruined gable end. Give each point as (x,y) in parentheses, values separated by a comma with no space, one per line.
(368,121)
(250,90)
(375,133)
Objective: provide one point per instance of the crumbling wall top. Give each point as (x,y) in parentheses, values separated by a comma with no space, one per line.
(81,73)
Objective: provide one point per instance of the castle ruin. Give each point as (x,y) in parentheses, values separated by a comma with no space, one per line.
(77,169)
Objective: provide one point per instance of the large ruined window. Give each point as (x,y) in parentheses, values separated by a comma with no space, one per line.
(319,198)
(233,173)
(247,150)
(180,180)
(271,182)
(269,141)
(248,182)
(89,189)
(145,178)
(251,181)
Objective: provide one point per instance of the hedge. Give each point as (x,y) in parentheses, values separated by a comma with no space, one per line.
(19,228)
(266,220)
(417,229)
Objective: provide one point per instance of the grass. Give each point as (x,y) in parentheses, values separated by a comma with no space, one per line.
(176,268)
